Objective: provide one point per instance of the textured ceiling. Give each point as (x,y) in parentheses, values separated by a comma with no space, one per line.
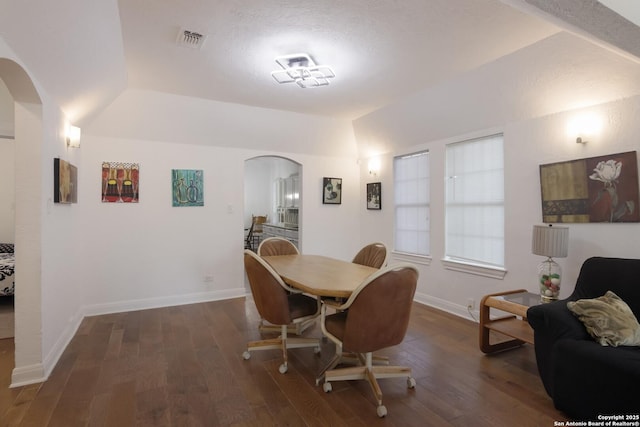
(86,53)
(379,49)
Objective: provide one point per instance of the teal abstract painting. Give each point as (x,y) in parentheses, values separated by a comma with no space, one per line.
(187,187)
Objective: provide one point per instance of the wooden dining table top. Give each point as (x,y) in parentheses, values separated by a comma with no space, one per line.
(320,275)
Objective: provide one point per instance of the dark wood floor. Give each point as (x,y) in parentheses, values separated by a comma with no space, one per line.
(182,366)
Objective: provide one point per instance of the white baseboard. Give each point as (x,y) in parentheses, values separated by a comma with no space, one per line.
(444,305)
(40,372)
(158,302)
(26,375)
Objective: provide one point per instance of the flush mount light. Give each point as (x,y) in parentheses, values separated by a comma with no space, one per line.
(299,68)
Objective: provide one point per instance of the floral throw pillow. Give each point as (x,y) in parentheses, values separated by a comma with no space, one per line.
(608,319)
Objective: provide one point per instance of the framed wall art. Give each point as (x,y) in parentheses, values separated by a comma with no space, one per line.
(331,191)
(120,182)
(187,187)
(595,189)
(65,182)
(374,196)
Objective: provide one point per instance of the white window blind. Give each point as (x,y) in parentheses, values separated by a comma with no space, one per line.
(474,207)
(411,190)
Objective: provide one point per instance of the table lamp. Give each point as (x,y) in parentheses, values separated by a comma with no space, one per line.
(551,242)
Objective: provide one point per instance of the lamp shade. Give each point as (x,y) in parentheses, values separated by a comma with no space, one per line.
(550,241)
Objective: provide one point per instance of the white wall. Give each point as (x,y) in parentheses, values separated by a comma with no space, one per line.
(528,143)
(529,95)
(6,112)
(7,190)
(152,254)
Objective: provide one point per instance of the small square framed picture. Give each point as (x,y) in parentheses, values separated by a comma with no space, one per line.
(331,191)
(374,195)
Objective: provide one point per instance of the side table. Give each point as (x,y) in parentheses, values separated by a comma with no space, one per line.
(516,326)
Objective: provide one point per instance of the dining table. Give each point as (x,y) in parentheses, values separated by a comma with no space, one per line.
(319,275)
(327,278)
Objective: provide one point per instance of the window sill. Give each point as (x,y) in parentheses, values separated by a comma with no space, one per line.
(477,269)
(417,259)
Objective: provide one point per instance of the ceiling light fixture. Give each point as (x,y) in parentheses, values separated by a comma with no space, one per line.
(299,68)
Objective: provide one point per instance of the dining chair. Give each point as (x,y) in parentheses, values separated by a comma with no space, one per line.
(257,221)
(373,255)
(277,246)
(279,306)
(273,246)
(377,317)
(248,240)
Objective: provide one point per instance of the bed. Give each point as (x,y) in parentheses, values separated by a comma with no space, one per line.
(7,266)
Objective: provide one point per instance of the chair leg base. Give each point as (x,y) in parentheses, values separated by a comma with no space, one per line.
(282,344)
(371,374)
(294,328)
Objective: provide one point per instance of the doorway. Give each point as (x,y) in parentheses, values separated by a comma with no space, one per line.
(273,188)
(27,145)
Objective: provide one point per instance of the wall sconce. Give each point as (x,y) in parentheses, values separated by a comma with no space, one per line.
(73,137)
(374,166)
(583,127)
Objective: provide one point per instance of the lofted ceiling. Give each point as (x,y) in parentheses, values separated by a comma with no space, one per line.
(379,49)
(87,53)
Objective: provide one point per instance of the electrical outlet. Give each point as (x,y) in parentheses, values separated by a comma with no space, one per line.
(471,304)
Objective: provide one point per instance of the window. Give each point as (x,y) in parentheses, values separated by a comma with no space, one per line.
(474,206)
(411,189)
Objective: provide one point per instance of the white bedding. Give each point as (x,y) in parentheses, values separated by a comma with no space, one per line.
(7,265)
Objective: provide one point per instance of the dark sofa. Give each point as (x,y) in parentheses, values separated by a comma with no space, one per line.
(583,378)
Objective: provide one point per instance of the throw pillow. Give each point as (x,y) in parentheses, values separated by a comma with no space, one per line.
(608,319)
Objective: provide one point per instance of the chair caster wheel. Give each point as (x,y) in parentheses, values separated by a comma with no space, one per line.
(327,387)
(411,382)
(282,368)
(246,355)
(382,411)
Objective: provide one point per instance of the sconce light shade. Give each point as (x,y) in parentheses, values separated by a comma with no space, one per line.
(374,166)
(73,137)
(584,126)
(550,242)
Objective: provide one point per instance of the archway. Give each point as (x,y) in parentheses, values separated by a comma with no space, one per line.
(28,219)
(272,187)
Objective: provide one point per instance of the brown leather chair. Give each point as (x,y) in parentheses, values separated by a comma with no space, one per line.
(277,246)
(373,255)
(277,305)
(377,317)
(273,246)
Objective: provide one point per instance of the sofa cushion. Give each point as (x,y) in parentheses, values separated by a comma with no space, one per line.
(608,319)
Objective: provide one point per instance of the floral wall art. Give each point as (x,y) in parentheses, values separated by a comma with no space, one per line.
(595,189)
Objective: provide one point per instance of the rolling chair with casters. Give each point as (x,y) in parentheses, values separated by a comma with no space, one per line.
(273,246)
(372,255)
(377,317)
(278,306)
(277,246)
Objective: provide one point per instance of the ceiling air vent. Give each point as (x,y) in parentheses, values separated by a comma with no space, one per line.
(190,39)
